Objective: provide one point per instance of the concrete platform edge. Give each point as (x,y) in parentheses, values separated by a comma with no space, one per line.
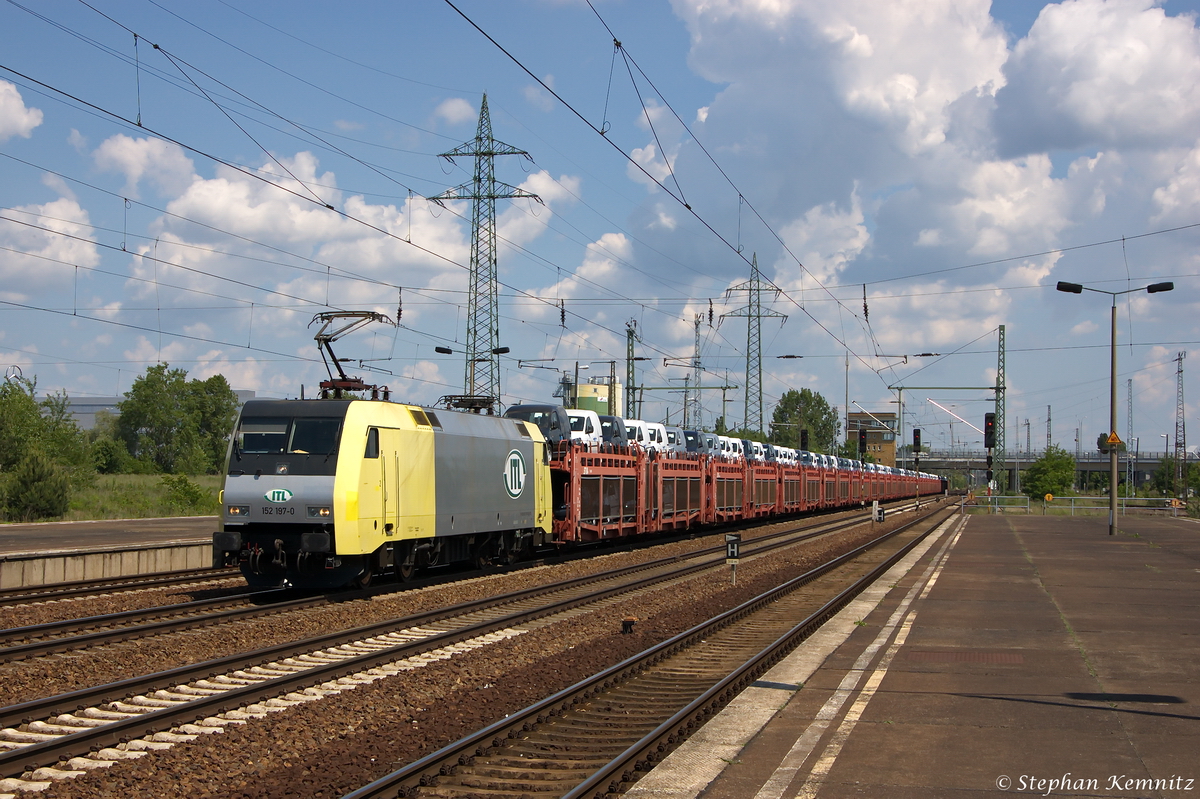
(687,771)
(30,569)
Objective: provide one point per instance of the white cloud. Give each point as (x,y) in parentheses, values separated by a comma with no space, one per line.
(538,97)
(826,239)
(1009,202)
(1180,197)
(160,162)
(15,118)
(1098,73)
(455,110)
(1084,328)
(876,56)
(43,260)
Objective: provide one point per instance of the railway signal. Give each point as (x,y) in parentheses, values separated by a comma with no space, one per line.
(989,430)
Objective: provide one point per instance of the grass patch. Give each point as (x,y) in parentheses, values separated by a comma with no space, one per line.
(141,496)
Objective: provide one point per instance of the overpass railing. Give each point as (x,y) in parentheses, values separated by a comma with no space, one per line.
(1071,506)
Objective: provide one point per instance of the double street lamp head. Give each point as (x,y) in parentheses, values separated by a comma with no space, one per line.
(1076,288)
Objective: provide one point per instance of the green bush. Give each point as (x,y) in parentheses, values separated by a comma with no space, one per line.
(183,495)
(111,457)
(38,488)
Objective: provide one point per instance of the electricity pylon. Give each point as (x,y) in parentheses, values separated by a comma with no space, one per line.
(482,381)
(754,313)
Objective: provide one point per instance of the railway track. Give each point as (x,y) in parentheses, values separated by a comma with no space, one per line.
(70,635)
(56,592)
(591,739)
(124,719)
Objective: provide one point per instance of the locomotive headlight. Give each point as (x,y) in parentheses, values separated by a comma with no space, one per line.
(238,510)
(322,512)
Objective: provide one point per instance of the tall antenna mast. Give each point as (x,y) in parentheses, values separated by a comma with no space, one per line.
(754,313)
(482,381)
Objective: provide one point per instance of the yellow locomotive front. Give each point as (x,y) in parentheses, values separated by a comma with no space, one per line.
(325,493)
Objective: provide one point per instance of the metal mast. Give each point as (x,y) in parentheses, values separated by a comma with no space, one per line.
(1180,436)
(1001,475)
(1130,454)
(695,389)
(482,381)
(630,386)
(1049,428)
(754,313)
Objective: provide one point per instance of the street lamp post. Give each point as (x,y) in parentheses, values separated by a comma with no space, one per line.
(1113,439)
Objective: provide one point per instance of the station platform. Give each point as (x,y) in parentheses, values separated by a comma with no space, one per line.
(1009,654)
(55,552)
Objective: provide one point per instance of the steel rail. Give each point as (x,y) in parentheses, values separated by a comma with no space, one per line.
(18,761)
(81,588)
(424,772)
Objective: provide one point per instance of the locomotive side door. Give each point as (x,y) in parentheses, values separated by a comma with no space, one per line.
(389,452)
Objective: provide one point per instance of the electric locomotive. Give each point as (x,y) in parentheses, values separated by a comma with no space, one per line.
(330,492)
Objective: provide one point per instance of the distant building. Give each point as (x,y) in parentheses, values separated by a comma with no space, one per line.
(84,409)
(881,434)
(597,395)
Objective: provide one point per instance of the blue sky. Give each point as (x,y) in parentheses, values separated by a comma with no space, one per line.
(955,158)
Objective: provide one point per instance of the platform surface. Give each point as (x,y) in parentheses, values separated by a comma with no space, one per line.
(1018,655)
(105,534)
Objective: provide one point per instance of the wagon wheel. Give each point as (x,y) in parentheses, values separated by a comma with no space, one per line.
(363,580)
(406,567)
(481,556)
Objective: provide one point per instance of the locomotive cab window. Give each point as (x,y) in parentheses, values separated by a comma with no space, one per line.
(275,444)
(262,435)
(372,443)
(315,436)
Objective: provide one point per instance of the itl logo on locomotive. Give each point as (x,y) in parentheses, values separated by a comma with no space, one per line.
(514,474)
(277,495)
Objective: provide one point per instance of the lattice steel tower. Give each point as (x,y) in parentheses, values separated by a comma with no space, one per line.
(754,313)
(1000,475)
(1180,434)
(694,395)
(482,381)
(630,376)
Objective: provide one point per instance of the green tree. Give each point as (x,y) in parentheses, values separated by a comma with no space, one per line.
(805,410)
(1162,482)
(44,428)
(171,424)
(21,423)
(1050,474)
(37,489)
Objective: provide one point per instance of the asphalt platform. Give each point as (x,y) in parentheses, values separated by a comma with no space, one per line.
(1028,655)
(105,534)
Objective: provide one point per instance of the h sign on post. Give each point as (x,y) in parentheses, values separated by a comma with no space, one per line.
(733,542)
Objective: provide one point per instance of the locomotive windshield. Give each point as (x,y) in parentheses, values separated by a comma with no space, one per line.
(274,444)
